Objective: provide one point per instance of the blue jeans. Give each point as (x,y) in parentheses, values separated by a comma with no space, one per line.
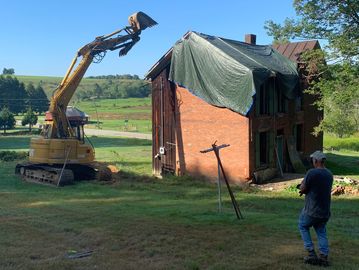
(305,222)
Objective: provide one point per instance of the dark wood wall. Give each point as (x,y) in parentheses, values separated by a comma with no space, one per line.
(163,124)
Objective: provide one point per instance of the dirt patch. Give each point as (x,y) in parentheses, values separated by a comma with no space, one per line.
(278,184)
(349,187)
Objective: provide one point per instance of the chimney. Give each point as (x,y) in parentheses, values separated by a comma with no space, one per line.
(250,38)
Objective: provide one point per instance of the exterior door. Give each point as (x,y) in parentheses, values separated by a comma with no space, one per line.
(163,125)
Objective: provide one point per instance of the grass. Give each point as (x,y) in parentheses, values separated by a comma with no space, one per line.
(335,143)
(126,153)
(344,163)
(145,223)
(142,126)
(342,155)
(132,114)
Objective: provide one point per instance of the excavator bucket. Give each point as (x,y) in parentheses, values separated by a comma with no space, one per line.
(140,21)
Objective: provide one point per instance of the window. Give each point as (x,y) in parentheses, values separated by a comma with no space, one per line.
(263,99)
(280,132)
(299,104)
(281,101)
(263,148)
(299,137)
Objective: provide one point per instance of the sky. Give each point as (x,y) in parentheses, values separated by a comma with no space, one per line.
(40,38)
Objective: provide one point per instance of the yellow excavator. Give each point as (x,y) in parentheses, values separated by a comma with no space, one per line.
(60,155)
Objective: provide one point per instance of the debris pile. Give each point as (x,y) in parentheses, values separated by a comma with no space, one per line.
(345,186)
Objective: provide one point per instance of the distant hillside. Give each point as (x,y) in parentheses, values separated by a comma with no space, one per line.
(111,86)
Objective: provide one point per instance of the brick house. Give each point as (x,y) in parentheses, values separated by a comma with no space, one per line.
(265,131)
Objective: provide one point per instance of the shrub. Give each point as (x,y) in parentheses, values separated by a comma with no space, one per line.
(12,155)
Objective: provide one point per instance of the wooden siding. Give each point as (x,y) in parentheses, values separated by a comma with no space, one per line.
(163,125)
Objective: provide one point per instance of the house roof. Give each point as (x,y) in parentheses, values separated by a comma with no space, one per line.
(227,73)
(294,49)
(290,50)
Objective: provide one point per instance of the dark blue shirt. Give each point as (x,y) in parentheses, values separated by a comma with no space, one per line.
(318,185)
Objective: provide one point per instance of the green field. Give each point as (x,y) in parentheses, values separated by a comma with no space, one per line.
(49,84)
(132,114)
(139,222)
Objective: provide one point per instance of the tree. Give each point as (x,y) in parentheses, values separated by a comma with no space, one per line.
(30,118)
(98,91)
(340,100)
(12,94)
(37,98)
(7,119)
(336,83)
(8,71)
(332,20)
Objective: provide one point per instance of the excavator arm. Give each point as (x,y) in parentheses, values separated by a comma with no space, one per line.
(57,125)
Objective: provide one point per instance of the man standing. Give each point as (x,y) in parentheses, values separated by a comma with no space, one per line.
(316,186)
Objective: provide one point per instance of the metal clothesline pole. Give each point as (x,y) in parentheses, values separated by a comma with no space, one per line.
(216,149)
(219,188)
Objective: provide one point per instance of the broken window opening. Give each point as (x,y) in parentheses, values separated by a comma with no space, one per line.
(263,148)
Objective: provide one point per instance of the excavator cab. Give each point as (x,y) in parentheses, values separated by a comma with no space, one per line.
(77,120)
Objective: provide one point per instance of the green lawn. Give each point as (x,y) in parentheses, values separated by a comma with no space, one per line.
(116,106)
(132,114)
(145,223)
(342,155)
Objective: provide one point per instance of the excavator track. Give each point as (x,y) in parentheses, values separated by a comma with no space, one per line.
(50,175)
(46,175)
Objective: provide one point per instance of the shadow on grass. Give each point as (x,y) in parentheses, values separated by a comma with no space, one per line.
(23,142)
(14,142)
(343,164)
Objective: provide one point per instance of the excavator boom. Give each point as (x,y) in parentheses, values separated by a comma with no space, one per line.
(62,143)
(57,124)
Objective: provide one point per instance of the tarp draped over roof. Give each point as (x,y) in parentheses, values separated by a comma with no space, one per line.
(227,73)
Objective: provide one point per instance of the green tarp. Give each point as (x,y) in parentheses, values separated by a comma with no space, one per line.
(227,73)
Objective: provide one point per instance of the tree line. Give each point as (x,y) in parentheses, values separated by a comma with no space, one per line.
(117,77)
(15,98)
(113,89)
(334,70)
(18,97)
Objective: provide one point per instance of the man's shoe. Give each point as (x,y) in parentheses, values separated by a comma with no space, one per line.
(311,258)
(323,260)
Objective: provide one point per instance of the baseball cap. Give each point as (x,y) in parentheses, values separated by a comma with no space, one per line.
(318,155)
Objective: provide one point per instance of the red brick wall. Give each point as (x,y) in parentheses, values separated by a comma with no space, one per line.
(201,125)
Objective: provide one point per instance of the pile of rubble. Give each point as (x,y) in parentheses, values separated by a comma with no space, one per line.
(346,186)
